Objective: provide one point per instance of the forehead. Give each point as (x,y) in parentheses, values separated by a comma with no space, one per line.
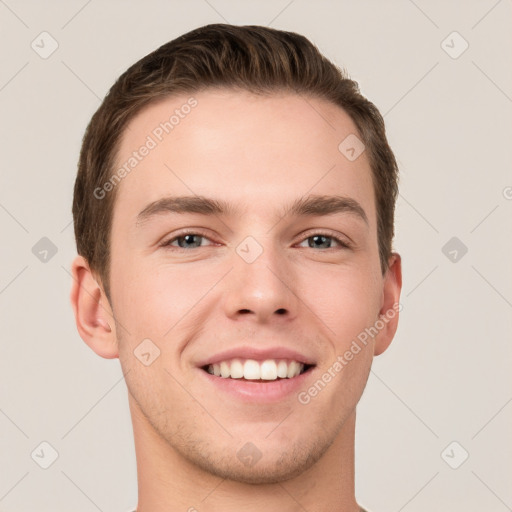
(249,149)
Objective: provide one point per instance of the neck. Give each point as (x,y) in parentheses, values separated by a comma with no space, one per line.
(166,479)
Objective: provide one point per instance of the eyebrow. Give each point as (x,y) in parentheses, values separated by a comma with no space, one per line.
(313,205)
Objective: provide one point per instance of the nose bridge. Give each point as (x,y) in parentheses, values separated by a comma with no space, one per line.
(261,281)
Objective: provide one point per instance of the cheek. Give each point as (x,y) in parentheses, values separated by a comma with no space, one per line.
(157,300)
(345,299)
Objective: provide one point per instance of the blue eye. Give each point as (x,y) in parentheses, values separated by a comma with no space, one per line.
(323,239)
(187,241)
(193,240)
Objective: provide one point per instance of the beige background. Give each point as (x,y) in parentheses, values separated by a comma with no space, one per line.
(445,378)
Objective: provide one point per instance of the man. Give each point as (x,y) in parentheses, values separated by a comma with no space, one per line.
(233,213)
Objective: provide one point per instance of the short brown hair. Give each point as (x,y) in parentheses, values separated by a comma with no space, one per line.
(252,58)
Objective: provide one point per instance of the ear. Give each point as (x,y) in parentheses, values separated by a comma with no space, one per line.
(390,304)
(93,314)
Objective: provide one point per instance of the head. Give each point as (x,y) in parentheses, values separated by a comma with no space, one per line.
(255,119)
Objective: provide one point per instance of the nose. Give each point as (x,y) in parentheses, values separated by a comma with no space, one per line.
(261,289)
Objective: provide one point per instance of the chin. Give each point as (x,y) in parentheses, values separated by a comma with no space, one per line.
(250,465)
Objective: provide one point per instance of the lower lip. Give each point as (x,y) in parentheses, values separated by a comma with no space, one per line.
(265,391)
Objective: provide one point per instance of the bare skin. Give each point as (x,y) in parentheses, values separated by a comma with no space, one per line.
(199,296)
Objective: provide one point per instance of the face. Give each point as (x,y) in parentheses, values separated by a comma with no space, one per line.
(238,290)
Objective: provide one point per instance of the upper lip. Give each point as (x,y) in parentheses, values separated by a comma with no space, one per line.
(259,354)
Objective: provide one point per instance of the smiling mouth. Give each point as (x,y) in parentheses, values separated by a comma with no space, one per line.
(257,371)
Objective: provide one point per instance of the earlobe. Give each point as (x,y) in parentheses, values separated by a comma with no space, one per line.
(93,314)
(389,312)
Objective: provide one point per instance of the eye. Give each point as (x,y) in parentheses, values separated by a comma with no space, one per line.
(185,241)
(323,241)
(193,240)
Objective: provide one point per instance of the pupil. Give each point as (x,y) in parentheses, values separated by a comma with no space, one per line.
(317,237)
(187,239)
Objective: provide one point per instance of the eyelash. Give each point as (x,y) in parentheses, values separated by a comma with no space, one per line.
(167,243)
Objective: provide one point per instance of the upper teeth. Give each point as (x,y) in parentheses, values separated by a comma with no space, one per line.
(269,369)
